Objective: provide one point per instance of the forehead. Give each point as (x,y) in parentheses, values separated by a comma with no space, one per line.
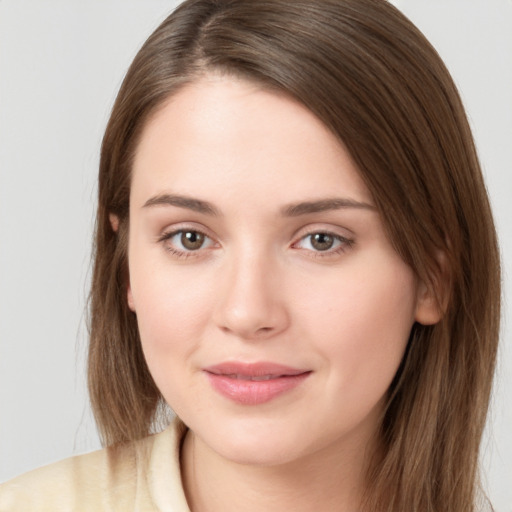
(223,132)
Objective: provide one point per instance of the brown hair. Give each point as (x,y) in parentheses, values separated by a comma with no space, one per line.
(377,83)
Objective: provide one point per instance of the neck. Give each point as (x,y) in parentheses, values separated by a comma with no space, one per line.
(323,481)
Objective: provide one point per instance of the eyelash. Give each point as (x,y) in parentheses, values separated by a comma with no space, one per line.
(344,243)
(180,254)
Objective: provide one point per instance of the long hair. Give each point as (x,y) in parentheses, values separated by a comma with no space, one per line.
(374,80)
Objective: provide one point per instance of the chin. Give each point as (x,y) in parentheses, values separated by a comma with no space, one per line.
(258,453)
(256,442)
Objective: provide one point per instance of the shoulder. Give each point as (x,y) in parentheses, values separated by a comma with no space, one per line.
(116,478)
(79,483)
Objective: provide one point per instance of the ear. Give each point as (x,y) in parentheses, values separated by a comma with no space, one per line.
(129,298)
(114,221)
(432,298)
(428,310)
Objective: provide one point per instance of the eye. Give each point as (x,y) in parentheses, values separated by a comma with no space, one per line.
(191,240)
(186,241)
(323,242)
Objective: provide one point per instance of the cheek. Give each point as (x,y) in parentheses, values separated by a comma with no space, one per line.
(381,312)
(363,324)
(172,310)
(172,316)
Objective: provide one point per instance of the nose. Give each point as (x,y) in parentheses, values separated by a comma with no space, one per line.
(251,303)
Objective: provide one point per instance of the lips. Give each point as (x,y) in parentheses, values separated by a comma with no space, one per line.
(256,383)
(252,378)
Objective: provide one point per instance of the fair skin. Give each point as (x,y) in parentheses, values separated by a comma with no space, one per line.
(253,240)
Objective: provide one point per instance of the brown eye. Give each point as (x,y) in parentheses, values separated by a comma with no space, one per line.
(322,241)
(192,240)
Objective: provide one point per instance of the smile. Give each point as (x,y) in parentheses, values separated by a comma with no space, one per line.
(254,384)
(253,378)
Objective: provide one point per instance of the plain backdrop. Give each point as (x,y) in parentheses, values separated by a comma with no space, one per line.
(61,63)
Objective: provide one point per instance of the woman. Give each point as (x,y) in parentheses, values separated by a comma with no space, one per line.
(295,252)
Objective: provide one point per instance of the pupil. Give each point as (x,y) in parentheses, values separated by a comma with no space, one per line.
(322,241)
(192,240)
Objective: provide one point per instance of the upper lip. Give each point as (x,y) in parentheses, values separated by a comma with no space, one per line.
(260,369)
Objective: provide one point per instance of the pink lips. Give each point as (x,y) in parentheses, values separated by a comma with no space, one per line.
(253,384)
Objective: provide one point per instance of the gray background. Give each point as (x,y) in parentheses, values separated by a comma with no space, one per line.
(61,63)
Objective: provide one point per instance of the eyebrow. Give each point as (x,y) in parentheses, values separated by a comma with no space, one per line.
(291,210)
(196,205)
(304,208)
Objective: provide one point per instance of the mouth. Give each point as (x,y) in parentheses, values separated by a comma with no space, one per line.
(254,383)
(252,378)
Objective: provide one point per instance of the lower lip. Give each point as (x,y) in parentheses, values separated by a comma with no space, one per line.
(254,392)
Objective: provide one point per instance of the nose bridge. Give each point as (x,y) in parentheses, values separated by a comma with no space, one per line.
(251,304)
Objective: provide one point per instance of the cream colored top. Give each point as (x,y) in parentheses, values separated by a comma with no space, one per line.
(143,476)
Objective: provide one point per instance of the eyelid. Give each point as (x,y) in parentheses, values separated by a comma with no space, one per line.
(326,228)
(339,238)
(346,241)
(343,236)
(184,226)
(171,231)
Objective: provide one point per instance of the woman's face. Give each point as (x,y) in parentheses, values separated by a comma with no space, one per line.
(273,311)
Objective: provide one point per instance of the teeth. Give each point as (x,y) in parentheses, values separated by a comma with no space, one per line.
(253,378)
(264,377)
